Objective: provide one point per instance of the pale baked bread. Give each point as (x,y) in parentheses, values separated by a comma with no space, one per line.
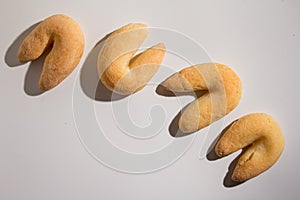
(262,141)
(67,39)
(119,70)
(223,92)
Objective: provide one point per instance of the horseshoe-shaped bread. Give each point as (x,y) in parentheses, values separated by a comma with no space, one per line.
(262,141)
(119,70)
(67,39)
(223,92)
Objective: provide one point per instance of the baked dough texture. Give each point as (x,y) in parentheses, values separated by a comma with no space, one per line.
(119,70)
(222,88)
(67,39)
(262,141)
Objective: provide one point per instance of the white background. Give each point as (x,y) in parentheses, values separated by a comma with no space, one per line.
(41,156)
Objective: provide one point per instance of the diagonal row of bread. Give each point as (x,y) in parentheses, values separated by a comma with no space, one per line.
(124,72)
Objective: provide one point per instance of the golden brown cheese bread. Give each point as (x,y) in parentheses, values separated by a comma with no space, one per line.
(223,92)
(119,70)
(67,39)
(262,141)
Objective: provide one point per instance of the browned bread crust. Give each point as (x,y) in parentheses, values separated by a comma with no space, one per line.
(261,138)
(223,92)
(119,70)
(67,39)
